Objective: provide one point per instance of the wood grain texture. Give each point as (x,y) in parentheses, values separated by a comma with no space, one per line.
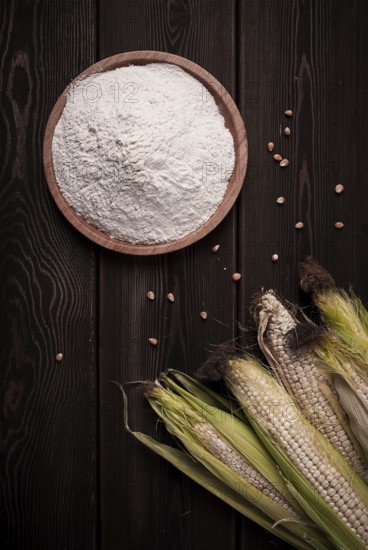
(145,503)
(48,408)
(308,71)
(303,54)
(347,124)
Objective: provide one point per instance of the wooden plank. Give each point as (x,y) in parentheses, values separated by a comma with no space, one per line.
(145,503)
(307,70)
(312,62)
(267,86)
(47,281)
(348,163)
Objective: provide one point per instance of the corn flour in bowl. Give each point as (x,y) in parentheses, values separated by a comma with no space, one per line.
(141,154)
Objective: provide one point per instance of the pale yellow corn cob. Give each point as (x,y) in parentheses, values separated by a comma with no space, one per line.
(297,368)
(277,415)
(187,420)
(212,440)
(218,463)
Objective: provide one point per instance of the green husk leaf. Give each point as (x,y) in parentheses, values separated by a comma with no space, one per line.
(357,411)
(206,395)
(347,316)
(340,358)
(351,382)
(360,309)
(342,311)
(198,473)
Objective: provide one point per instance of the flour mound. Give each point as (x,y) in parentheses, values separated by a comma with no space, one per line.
(142,153)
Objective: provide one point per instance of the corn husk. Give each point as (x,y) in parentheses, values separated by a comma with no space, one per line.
(241,435)
(340,310)
(212,474)
(344,350)
(351,382)
(206,394)
(198,473)
(346,315)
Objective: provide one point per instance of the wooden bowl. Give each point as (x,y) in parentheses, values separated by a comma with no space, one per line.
(233,122)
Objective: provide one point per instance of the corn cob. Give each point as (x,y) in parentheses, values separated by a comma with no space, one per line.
(297,366)
(218,454)
(211,440)
(177,413)
(198,473)
(318,476)
(233,442)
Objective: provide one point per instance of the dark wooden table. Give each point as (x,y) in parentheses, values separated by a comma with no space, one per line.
(70,477)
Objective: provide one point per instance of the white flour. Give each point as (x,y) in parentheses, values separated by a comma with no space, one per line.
(142,153)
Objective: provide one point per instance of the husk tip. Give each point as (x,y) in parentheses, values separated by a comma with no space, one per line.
(306,335)
(313,277)
(214,368)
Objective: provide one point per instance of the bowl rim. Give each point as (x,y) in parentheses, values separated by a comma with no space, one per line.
(232,117)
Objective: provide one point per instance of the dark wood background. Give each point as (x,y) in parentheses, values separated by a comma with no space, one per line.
(70,477)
